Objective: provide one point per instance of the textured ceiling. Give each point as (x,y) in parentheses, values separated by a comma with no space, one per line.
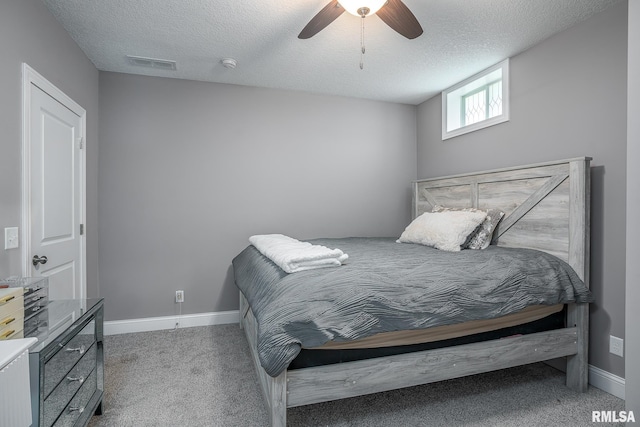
(461,37)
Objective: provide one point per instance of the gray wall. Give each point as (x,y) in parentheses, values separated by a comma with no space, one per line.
(189,170)
(29,33)
(568,99)
(632,353)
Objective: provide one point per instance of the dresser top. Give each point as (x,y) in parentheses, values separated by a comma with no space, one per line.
(61,315)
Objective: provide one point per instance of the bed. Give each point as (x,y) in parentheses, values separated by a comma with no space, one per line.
(546,209)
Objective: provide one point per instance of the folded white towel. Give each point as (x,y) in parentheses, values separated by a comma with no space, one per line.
(292,255)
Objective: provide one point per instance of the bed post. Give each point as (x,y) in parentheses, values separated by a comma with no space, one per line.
(579,239)
(278,400)
(274,390)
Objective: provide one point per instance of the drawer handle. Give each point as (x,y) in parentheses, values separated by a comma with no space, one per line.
(36,308)
(78,409)
(80,379)
(7,299)
(7,334)
(6,321)
(78,349)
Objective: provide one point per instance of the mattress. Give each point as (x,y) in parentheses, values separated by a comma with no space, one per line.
(320,356)
(446,332)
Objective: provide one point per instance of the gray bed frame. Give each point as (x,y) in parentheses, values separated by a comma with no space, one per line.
(546,207)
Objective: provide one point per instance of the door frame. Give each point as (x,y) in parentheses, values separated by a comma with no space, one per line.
(32,77)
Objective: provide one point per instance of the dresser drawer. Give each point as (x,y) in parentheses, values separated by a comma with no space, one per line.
(34,297)
(62,394)
(79,403)
(56,368)
(11,301)
(36,323)
(11,333)
(34,285)
(11,326)
(35,307)
(11,313)
(11,320)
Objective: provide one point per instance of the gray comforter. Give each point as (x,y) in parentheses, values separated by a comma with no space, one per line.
(387,286)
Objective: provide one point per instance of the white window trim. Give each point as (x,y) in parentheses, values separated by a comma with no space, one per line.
(485,123)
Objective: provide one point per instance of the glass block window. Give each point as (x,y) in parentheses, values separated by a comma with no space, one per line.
(477,102)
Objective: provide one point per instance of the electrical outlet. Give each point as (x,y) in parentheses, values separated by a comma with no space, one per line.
(179,296)
(616,345)
(11,238)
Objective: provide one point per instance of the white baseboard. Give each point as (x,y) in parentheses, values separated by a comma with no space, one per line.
(599,378)
(606,381)
(115,327)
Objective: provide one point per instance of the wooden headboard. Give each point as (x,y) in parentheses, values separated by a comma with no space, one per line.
(546,205)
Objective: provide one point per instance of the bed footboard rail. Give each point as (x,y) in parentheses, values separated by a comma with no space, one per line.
(339,381)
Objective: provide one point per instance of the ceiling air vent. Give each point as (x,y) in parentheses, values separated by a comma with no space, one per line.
(161,64)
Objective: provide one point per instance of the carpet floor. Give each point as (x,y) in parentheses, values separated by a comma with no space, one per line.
(204,376)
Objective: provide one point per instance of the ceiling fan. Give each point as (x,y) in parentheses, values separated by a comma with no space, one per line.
(394,13)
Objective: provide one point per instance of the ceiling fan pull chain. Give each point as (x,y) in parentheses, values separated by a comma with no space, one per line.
(362,50)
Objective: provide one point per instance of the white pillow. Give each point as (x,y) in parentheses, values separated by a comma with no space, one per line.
(446,231)
(481,237)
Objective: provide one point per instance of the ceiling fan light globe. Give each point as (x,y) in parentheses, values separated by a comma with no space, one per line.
(353,6)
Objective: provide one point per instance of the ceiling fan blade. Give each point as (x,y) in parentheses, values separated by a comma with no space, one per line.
(325,17)
(398,16)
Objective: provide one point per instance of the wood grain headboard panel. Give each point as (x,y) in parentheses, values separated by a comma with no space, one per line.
(546,205)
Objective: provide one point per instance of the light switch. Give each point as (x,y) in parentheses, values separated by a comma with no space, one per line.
(11,240)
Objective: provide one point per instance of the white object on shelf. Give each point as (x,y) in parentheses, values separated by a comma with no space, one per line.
(15,394)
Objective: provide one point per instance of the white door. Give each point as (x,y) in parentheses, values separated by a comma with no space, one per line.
(56,189)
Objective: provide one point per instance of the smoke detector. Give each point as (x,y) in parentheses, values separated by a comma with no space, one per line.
(229,63)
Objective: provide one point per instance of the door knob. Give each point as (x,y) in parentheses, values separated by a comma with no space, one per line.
(39,260)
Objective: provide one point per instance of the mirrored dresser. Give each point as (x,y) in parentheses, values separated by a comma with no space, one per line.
(66,365)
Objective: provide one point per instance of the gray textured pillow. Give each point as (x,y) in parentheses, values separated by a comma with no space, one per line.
(481,237)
